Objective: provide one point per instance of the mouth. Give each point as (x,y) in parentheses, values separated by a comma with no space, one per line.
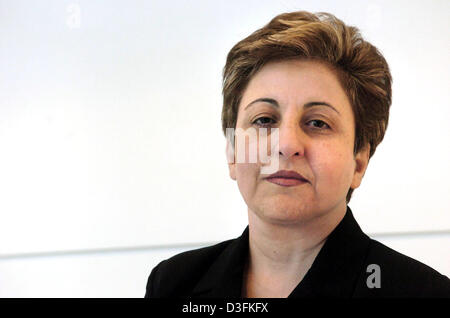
(286,182)
(287,178)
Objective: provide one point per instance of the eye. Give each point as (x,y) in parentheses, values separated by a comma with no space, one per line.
(320,123)
(264,119)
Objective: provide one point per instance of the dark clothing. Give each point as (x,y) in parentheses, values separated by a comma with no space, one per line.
(341,269)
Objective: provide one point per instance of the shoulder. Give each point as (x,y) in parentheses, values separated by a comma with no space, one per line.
(178,275)
(399,275)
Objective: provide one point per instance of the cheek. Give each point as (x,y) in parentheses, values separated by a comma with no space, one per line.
(246,175)
(332,165)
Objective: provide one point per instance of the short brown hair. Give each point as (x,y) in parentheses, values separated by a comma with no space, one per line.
(362,70)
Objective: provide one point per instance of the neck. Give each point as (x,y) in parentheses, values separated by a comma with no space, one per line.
(288,250)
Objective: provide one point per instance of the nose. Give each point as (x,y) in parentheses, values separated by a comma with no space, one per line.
(291,140)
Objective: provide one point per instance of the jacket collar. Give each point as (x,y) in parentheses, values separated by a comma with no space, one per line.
(334,272)
(224,277)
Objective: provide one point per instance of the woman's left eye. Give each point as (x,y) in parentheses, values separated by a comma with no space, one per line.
(320,122)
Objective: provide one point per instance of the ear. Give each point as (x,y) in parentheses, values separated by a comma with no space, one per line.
(231,159)
(361,160)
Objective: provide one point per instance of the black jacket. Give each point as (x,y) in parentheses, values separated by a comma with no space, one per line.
(342,268)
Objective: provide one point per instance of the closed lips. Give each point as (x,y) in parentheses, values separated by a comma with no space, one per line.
(287,174)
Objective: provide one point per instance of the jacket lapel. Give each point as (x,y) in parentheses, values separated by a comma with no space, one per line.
(336,269)
(224,277)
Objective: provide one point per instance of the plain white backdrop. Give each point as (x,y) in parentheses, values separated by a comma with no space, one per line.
(112,155)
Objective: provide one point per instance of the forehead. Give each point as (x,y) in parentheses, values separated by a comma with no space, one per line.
(296,81)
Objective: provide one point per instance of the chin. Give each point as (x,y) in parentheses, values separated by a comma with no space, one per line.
(285,213)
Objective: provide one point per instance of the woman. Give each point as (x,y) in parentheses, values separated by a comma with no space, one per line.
(325,94)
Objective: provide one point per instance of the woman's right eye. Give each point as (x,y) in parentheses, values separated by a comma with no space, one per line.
(263,119)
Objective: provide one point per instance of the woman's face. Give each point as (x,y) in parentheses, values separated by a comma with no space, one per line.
(315,141)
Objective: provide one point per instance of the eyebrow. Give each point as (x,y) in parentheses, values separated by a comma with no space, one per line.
(274,103)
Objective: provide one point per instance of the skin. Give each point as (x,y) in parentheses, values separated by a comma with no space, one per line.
(289,225)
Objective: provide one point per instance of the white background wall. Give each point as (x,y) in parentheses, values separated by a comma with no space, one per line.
(112,155)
